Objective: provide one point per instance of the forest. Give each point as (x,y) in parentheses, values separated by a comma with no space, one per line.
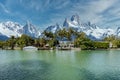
(79,39)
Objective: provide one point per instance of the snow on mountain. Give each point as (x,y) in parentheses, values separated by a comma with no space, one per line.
(118,31)
(53,28)
(92,30)
(31,30)
(9,28)
(3,37)
(71,24)
(66,23)
(99,34)
(108,32)
(88,26)
(75,20)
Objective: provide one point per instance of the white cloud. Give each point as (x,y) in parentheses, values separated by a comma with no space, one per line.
(62,4)
(98,7)
(101,5)
(4,8)
(92,10)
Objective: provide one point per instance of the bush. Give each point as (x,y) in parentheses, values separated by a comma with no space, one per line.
(87,45)
(101,45)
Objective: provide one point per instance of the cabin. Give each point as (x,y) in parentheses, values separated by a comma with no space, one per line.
(110,45)
(45,47)
(65,45)
(31,48)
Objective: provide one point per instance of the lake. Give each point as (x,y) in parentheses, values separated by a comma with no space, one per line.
(60,65)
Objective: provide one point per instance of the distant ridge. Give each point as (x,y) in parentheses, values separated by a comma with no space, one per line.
(94,32)
(9,28)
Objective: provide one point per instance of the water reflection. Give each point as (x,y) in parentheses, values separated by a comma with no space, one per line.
(26,70)
(60,65)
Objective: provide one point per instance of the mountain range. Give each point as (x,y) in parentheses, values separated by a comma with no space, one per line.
(94,32)
(9,28)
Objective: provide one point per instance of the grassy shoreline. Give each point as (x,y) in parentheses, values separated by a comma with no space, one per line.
(77,49)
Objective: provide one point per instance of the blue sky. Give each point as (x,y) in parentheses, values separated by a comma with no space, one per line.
(42,13)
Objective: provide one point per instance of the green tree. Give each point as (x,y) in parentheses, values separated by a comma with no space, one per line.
(1,44)
(11,42)
(42,42)
(110,38)
(48,34)
(101,45)
(25,40)
(53,42)
(36,42)
(82,40)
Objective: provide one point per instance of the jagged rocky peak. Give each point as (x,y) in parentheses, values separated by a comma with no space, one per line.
(30,29)
(92,26)
(10,28)
(75,19)
(118,31)
(92,30)
(89,25)
(10,24)
(53,28)
(66,23)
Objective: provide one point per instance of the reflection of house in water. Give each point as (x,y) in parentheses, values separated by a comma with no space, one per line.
(32,48)
(110,45)
(45,47)
(65,45)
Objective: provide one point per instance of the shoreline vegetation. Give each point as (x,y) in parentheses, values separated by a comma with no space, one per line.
(65,39)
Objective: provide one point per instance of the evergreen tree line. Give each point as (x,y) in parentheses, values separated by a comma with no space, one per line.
(79,39)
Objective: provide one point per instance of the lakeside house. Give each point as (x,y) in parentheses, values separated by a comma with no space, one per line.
(65,45)
(111,45)
(31,48)
(45,47)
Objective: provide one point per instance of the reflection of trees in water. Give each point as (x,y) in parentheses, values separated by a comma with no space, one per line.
(84,74)
(26,70)
(107,75)
(110,75)
(40,70)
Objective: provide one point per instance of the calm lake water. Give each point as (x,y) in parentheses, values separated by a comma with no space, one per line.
(59,65)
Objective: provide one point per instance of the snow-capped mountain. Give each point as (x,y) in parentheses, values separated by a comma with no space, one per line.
(99,34)
(92,31)
(9,28)
(73,23)
(75,20)
(53,28)
(30,30)
(118,31)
